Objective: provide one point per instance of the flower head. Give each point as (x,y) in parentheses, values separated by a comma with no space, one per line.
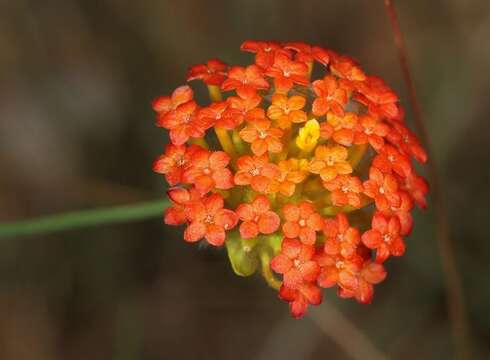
(303,178)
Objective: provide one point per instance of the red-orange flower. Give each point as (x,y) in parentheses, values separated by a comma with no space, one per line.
(257,218)
(403,212)
(340,237)
(174,161)
(262,136)
(390,159)
(346,190)
(295,263)
(216,114)
(406,142)
(287,72)
(372,130)
(208,170)
(299,299)
(164,104)
(339,128)
(383,188)
(208,219)
(337,270)
(245,79)
(241,109)
(345,67)
(417,187)
(302,221)
(255,171)
(264,51)
(181,198)
(330,97)
(184,123)
(371,274)
(378,97)
(330,161)
(292,172)
(212,73)
(307,53)
(384,237)
(287,110)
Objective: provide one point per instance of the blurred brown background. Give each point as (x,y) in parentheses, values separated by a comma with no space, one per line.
(76,131)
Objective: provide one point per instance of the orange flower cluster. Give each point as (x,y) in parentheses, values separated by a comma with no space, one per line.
(309,179)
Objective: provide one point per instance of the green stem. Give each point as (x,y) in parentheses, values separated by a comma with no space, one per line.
(84,218)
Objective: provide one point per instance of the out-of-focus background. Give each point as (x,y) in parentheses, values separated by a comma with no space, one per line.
(77,131)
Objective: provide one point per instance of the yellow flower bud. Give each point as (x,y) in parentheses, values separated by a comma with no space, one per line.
(308,135)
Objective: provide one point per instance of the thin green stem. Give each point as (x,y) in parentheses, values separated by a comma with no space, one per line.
(84,218)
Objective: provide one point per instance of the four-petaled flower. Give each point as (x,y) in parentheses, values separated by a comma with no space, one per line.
(330,161)
(371,274)
(301,221)
(183,123)
(262,136)
(264,51)
(164,104)
(245,79)
(295,263)
(208,170)
(337,270)
(174,161)
(340,237)
(287,110)
(212,73)
(390,159)
(307,53)
(371,129)
(208,219)
(346,190)
(339,128)
(384,237)
(330,97)
(287,72)
(383,188)
(406,142)
(257,218)
(255,171)
(292,172)
(181,198)
(299,299)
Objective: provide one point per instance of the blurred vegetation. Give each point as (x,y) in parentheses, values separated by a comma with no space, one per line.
(76,131)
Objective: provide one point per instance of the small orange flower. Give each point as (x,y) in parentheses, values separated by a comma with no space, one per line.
(370,274)
(371,129)
(302,221)
(287,72)
(264,51)
(257,218)
(212,73)
(255,171)
(390,159)
(286,111)
(330,96)
(241,109)
(383,188)
(292,172)
(299,299)
(346,190)
(344,67)
(384,237)
(330,161)
(208,219)
(378,97)
(340,237)
(308,53)
(262,136)
(184,123)
(245,79)
(339,128)
(164,104)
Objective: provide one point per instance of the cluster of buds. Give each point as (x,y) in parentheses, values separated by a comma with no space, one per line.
(311,182)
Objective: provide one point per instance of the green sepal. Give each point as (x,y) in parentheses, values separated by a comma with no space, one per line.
(242,254)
